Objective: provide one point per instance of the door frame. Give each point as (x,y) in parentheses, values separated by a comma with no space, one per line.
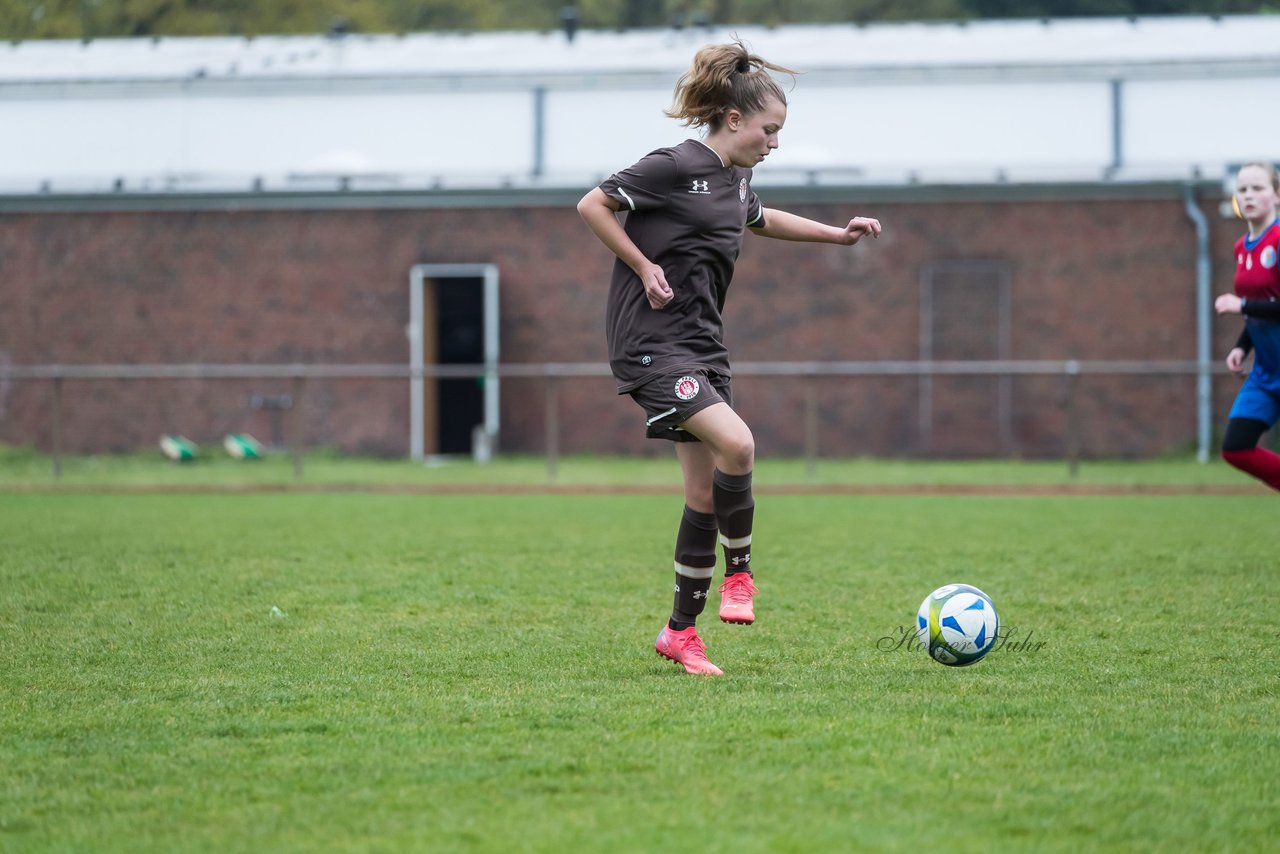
(418,275)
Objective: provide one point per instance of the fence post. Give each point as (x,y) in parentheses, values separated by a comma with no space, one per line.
(57,427)
(1072,368)
(810,426)
(295,426)
(553,424)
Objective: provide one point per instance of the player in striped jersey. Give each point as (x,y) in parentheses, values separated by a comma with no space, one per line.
(1257,297)
(687,208)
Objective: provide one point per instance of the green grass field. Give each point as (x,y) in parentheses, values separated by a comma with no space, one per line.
(476,673)
(25,469)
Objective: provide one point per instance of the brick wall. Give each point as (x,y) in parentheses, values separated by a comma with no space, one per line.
(1086,279)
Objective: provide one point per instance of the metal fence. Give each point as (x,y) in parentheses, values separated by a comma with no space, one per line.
(1071,370)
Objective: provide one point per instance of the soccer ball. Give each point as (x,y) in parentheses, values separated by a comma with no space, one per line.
(957,624)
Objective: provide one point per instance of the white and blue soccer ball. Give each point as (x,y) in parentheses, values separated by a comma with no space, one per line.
(957,624)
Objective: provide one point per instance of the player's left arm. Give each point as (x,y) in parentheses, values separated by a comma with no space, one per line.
(782,225)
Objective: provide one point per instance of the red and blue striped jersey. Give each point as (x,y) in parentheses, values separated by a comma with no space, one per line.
(1258,281)
(1257,273)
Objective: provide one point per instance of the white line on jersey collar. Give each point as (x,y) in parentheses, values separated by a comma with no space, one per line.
(723,165)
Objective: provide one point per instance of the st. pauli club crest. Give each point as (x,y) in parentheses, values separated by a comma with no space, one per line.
(686,388)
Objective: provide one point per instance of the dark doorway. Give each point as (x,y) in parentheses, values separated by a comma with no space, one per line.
(965,317)
(459,303)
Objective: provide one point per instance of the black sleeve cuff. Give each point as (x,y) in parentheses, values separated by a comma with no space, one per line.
(1266,309)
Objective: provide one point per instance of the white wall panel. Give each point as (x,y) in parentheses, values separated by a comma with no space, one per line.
(948,125)
(410,133)
(82,136)
(1207,122)
(472,134)
(598,132)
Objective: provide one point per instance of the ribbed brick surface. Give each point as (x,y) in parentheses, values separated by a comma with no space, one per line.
(1087,280)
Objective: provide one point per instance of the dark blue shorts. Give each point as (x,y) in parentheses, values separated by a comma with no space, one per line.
(1259,398)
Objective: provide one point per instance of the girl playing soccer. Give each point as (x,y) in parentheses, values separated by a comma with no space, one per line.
(1257,287)
(687,207)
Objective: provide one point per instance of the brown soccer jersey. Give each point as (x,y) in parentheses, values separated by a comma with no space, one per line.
(686,212)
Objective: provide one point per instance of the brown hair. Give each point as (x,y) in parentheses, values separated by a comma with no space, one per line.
(1266,166)
(725,77)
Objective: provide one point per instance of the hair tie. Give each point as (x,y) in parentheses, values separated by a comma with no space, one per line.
(744,65)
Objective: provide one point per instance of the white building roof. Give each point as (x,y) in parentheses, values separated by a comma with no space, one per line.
(1082,42)
(1046,100)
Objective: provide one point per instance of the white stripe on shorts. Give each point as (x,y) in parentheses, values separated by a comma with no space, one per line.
(735,542)
(695,571)
(660,416)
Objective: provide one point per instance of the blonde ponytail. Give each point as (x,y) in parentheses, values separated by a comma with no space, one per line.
(725,77)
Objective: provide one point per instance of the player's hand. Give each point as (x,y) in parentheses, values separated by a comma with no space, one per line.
(858,228)
(1227,304)
(1235,360)
(656,289)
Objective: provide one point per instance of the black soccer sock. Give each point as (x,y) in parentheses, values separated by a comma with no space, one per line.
(695,565)
(735,512)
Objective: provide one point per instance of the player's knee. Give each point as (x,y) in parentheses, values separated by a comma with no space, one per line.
(1234,444)
(739,453)
(1235,456)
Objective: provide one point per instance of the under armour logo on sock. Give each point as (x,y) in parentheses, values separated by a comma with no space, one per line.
(746,558)
(700,594)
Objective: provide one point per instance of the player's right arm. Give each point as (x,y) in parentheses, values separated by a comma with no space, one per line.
(599,212)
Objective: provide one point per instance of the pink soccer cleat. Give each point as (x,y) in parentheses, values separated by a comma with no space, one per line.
(687,649)
(736,598)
